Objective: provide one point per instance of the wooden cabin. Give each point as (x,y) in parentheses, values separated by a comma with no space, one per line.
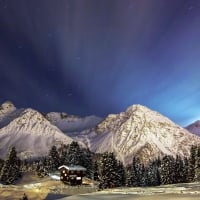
(72,175)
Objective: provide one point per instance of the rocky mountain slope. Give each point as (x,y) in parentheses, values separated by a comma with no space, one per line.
(28,130)
(139,131)
(194,128)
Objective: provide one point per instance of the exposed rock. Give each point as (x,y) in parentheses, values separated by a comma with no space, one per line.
(139,132)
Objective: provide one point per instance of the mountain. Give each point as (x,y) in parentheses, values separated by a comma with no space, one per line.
(194,128)
(139,131)
(28,130)
(72,124)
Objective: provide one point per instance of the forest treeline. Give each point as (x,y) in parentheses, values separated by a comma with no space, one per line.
(105,168)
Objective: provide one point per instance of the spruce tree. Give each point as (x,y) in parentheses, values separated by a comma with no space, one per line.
(185,169)
(87,162)
(153,173)
(108,172)
(130,176)
(64,154)
(75,154)
(167,170)
(134,173)
(11,171)
(192,162)
(1,164)
(95,170)
(43,167)
(139,171)
(54,159)
(197,165)
(121,174)
(179,170)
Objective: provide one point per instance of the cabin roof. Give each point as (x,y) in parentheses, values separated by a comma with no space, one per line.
(73,167)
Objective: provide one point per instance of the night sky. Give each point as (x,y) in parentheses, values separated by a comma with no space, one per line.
(98,57)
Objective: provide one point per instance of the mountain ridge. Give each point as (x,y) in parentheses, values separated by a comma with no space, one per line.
(31,133)
(194,127)
(138,131)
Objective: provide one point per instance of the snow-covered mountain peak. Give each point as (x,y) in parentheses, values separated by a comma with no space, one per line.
(136,107)
(6,108)
(143,112)
(32,115)
(143,132)
(194,127)
(31,133)
(8,105)
(197,123)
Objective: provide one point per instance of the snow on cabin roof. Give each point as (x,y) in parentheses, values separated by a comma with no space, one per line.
(73,167)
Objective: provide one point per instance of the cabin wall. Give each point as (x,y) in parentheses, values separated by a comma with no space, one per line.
(72,177)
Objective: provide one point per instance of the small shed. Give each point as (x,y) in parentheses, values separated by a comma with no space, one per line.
(72,174)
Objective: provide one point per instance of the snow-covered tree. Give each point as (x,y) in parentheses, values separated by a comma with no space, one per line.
(54,159)
(185,169)
(133,173)
(11,170)
(87,162)
(153,173)
(1,164)
(192,162)
(179,170)
(109,175)
(95,170)
(167,170)
(197,165)
(121,174)
(44,167)
(75,155)
(64,149)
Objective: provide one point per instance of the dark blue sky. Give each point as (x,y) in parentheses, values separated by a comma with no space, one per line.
(98,56)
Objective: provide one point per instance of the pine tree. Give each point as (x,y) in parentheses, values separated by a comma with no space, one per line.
(185,169)
(167,169)
(179,170)
(43,167)
(192,161)
(75,154)
(1,164)
(153,173)
(95,170)
(128,176)
(134,173)
(54,159)
(64,154)
(197,165)
(139,171)
(11,169)
(87,162)
(108,172)
(121,174)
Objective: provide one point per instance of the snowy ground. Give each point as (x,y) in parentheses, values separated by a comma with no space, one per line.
(41,189)
(168,192)
(48,189)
